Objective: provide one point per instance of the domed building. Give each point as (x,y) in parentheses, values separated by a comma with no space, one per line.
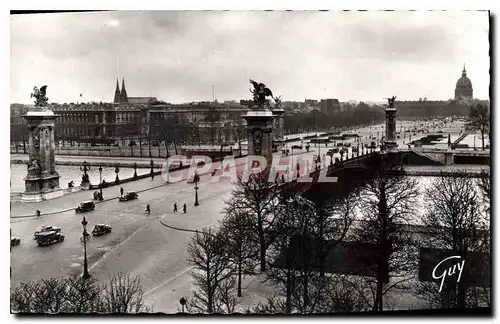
(464,86)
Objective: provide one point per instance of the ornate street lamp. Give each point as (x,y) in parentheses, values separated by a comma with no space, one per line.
(135,170)
(100,179)
(196,179)
(85,169)
(117,170)
(86,274)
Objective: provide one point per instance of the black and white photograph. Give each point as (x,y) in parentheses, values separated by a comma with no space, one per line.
(252,162)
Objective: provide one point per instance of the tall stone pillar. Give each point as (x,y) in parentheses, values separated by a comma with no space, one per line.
(42,180)
(259,133)
(278,127)
(390,127)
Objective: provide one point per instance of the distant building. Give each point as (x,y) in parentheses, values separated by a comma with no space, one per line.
(121,96)
(311,103)
(464,87)
(140,117)
(329,106)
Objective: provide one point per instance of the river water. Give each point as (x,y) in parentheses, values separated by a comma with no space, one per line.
(70,173)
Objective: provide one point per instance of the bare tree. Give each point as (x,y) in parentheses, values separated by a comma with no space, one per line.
(295,270)
(212,267)
(484,184)
(258,198)
(22,297)
(236,229)
(387,202)
(78,295)
(332,220)
(83,295)
(123,294)
(455,221)
(480,118)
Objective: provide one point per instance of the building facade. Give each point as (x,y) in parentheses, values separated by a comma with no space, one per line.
(140,119)
(329,106)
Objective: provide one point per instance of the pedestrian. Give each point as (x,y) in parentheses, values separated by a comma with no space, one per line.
(175,207)
(121,191)
(148,209)
(37,213)
(184,208)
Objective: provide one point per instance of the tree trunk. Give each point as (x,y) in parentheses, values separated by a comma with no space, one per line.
(482,137)
(140,145)
(262,252)
(149,145)
(321,254)
(288,309)
(239,278)
(262,243)
(383,250)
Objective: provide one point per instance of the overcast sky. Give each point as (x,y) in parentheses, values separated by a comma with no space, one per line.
(178,56)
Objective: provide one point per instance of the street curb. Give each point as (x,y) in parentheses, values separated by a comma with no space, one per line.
(138,191)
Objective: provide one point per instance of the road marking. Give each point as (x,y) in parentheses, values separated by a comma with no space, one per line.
(168,281)
(105,255)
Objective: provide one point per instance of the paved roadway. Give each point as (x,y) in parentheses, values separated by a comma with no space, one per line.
(138,244)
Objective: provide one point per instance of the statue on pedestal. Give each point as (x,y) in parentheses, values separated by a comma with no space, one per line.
(391,101)
(40,96)
(277,102)
(260,92)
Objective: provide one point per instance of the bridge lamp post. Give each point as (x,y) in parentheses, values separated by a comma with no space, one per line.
(196,180)
(86,274)
(100,179)
(117,179)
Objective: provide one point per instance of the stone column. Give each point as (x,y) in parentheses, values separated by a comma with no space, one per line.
(390,128)
(259,133)
(42,180)
(278,127)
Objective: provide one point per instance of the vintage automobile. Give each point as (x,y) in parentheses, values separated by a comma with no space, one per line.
(131,195)
(14,241)
(297,147)
(43,229)
(101,229)
(48,238)
(85,206)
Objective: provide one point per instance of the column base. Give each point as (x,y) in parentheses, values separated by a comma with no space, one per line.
(41,196)
(391,145)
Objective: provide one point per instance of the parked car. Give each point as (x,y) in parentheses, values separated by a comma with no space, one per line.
(297,147)
(101,229)
(14,241)
(131,195)
(85,206)
(48,238)
(44,229)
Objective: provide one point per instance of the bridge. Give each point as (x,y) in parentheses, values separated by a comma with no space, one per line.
(356,170)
